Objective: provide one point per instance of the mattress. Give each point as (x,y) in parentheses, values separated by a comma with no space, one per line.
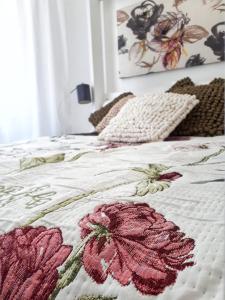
(83,220)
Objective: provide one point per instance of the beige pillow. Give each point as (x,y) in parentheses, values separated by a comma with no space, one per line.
(98,115)
(112,113)
(151,117)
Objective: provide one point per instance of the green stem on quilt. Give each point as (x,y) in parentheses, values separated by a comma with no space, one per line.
(70,201)
(206,158)
(58,206)
(33,162)
(69,275)
(111,171)
(71,268)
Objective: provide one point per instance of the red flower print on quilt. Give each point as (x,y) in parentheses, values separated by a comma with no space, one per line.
(170,176)
(29,258)
(134,244)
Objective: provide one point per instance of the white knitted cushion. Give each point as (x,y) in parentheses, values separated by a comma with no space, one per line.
(151,117)
(112,113)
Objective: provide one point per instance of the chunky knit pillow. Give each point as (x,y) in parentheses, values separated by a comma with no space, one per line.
(206,119)
(96,117)
(219,80)
(151,117)
(182,83)
(112,113)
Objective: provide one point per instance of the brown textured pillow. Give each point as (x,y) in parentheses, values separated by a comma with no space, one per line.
(112,113)
(96,117)
(182,83)
(207,118)
(219,80)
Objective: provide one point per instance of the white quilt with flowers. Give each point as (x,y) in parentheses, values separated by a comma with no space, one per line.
(82,220)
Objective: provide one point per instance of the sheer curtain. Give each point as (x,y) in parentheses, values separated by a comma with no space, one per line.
(33,68)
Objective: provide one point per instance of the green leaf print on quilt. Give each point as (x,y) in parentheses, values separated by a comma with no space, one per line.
(154,180)
(7,194)
(95,298)
(39,196)
(151,187)
(152,171)
(33,196)
(32,162)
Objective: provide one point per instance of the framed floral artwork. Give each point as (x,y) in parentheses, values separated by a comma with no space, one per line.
(163,35)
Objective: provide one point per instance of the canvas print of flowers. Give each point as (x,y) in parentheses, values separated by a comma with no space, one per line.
(163,35)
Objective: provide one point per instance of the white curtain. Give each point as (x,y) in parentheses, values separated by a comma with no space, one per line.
(33,68)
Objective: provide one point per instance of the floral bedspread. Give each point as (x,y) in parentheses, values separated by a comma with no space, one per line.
(80,220)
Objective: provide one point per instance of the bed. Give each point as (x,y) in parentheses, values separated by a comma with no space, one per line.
(86,220)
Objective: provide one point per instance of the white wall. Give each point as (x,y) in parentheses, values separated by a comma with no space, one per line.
(151,82)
